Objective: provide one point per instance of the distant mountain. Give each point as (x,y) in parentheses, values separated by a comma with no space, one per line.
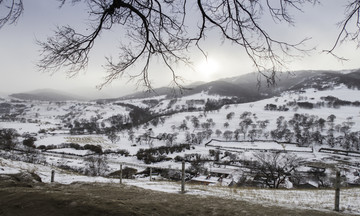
(283,81)
(145,94)
(252,87)
(297,80)
(326,80)
(47,95)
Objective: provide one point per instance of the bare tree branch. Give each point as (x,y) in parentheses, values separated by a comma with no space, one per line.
(10,11)
(348,32)
(158,30)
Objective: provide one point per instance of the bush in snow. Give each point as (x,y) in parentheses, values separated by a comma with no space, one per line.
(8,138)
(96,165)
(95,148)
(29,142)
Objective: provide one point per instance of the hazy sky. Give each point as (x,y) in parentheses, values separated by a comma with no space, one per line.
(19,52)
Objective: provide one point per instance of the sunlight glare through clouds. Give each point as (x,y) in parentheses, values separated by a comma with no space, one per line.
(208,67)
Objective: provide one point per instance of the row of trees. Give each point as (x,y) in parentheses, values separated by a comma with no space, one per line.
(306,129)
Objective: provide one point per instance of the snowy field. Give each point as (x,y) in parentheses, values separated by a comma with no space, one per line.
(55,118)
(307,199)
(259,146)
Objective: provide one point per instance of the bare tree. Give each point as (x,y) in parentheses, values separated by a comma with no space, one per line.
(275,167)
(96,165)
(159,29)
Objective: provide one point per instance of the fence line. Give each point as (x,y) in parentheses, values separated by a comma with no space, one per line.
(151,167)
(340,152)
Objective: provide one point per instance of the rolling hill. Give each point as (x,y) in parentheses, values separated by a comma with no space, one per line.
(250,87)
(47,95)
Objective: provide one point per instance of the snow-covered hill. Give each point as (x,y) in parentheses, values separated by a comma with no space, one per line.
(312,132)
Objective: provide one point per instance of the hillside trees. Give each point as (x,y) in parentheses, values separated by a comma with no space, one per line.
(236,134)
(183,126)
(321,123)
(117,121)
(195,121)
(218,132)
(230,115)
(112,136)
(162,30)
(147,137)
(228,135)
(244,125)
(169,138)
(85,126)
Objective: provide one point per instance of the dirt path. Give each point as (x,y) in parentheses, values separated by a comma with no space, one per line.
(107,199)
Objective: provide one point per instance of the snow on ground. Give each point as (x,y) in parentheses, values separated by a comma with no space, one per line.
(318,199)
(139,101)
(307,199)
(61,176)
(310,199)
(24,127)
(79,139)
(194,101)
(342,92)
(260,146)
(70,151)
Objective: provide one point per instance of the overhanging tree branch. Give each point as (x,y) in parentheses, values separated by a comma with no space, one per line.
(348,32)
(158,29)
(11,11)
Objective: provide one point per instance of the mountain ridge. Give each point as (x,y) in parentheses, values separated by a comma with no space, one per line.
(248,87)
(47,95)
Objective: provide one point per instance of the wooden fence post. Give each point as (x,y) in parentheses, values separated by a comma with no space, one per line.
(183,177)
(150,173)
(52,175)
(121,171)
(337,191)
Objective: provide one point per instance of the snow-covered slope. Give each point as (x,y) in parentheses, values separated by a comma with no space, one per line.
(219,134)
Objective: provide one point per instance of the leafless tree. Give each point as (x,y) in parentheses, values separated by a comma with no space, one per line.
(275,167)
(96,165)
(159,29)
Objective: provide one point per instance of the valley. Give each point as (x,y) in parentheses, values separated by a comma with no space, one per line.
(293,136)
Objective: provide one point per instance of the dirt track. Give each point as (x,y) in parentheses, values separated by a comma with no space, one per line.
(106,199)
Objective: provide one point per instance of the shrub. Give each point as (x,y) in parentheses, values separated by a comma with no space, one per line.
(96,165)
(29,142)
(42,147)
(94,148)
(147,155)
(305,105)
(127,173)
(76,146)
(42,131)
(123,152)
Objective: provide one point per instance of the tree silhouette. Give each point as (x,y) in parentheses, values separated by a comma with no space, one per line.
(159,29)
(274,167)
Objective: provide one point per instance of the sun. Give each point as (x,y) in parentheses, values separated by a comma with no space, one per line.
(208,67)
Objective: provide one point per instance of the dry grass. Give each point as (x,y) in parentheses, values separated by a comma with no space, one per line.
(111,199)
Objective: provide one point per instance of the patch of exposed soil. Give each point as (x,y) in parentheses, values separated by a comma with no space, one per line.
(112,199)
